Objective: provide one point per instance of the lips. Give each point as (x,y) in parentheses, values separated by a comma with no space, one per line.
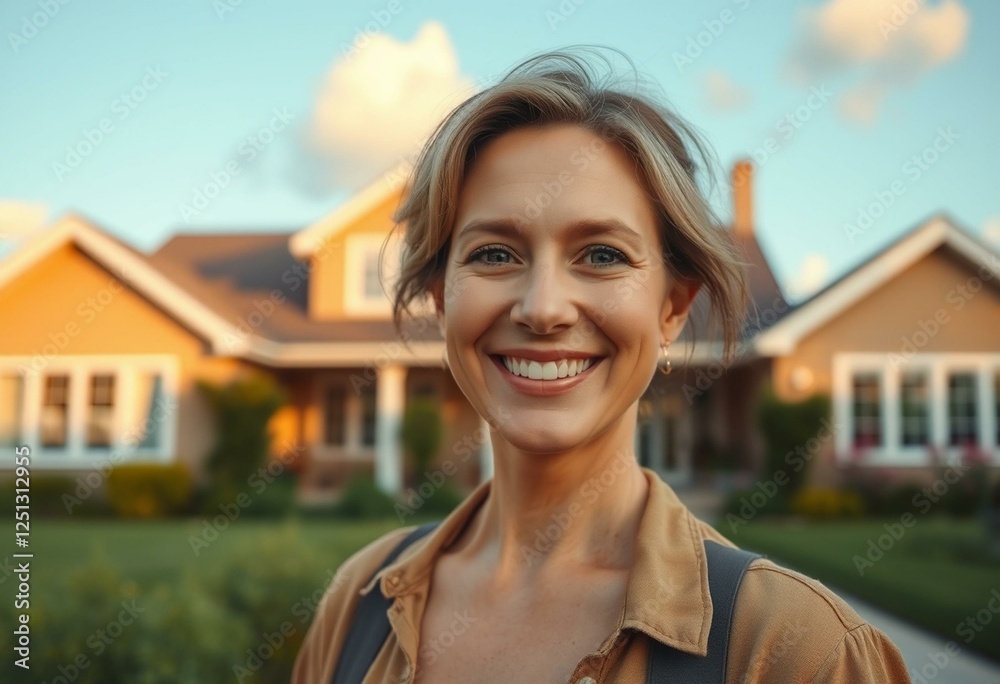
(546,370)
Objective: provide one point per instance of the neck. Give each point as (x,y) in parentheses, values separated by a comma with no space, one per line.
(549,514)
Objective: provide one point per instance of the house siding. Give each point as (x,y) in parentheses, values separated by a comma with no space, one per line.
(52,297)
(891,317)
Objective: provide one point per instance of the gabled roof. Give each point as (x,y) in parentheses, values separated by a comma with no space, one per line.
(308,240)
(810,315)
(128,265)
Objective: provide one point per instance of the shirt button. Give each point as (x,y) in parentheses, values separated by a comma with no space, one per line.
(587,680)
(394,580)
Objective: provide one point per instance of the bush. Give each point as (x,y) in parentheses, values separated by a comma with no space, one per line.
(363,499)
(242,410)
(442,502)
(244,621)
(827,502)
(421,430)
(746,503)
(47,491)
(787,428)
(277,499)
(149,490)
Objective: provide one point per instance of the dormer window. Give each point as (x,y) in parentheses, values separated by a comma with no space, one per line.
(363,291)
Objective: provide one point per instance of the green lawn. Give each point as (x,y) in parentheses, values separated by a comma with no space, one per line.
(935,575)
(155,551)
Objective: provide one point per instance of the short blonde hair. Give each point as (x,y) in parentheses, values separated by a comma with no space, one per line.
(562,87)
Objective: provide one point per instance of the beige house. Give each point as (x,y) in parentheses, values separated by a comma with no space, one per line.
(103,346)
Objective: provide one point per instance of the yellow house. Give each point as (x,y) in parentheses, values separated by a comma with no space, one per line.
(103,345)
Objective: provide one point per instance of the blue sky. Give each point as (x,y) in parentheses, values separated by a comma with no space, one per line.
(124,112)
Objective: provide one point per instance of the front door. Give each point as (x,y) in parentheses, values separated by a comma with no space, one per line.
(663,440)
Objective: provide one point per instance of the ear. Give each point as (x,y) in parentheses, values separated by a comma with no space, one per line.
(677,308)
(437,293)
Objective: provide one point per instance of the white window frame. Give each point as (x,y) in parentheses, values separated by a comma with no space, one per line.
(357,249)
(938,366)
(76,454)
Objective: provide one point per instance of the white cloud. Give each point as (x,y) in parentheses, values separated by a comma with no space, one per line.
(811,276)
(722,93)
(885,44)
(377,105)
(19,218)
(991,231)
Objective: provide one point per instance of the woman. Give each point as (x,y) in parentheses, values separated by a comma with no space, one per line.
(559,229)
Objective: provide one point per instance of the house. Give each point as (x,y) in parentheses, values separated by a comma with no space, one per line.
(104,344)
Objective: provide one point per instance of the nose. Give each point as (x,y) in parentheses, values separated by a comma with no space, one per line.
(544,300)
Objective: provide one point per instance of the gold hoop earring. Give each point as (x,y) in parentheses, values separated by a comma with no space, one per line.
(665,369)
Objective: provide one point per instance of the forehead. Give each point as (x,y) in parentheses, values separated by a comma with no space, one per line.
(554,175)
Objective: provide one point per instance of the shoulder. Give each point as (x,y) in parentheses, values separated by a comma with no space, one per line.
(790,627)
(335,611)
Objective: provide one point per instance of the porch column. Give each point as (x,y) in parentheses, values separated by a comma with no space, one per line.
(390,396)
(485,453)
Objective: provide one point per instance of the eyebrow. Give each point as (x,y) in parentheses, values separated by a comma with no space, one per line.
(586,228)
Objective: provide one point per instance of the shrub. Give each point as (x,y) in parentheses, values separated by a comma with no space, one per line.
(149,490)
(47,491)
(749,503)
(421,431)
(363,499)
(442,502)
(276,500)
(787,428)
(242,410)
(827,502)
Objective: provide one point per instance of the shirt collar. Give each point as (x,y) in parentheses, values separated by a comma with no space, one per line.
(667,594)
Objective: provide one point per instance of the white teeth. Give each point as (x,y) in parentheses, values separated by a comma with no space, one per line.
(550,370)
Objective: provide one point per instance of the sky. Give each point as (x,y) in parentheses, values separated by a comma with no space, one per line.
(865,117)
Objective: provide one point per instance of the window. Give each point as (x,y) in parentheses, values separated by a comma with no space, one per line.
(149,414)
(55,411)
(914,409)
(368,415)
(84,409)
(962,409)
(334,423)
(102,408)
(867,410)
(373,287)
(364,293)
(11,409)
(901,410)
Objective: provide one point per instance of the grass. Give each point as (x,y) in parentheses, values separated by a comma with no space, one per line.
(936,575)
(150,552)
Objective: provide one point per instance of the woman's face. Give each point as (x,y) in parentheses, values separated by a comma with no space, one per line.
(555,265)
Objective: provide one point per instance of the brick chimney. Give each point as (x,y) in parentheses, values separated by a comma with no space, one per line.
(742,181)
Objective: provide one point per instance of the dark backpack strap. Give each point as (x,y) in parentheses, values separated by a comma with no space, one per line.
(726,567)
(370,626)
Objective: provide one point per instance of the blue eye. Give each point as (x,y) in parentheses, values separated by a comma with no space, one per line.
(610,252)
(477,255)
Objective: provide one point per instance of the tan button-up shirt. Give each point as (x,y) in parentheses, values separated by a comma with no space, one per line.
(787,628)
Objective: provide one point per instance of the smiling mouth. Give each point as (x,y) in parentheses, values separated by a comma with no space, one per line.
(549,370)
